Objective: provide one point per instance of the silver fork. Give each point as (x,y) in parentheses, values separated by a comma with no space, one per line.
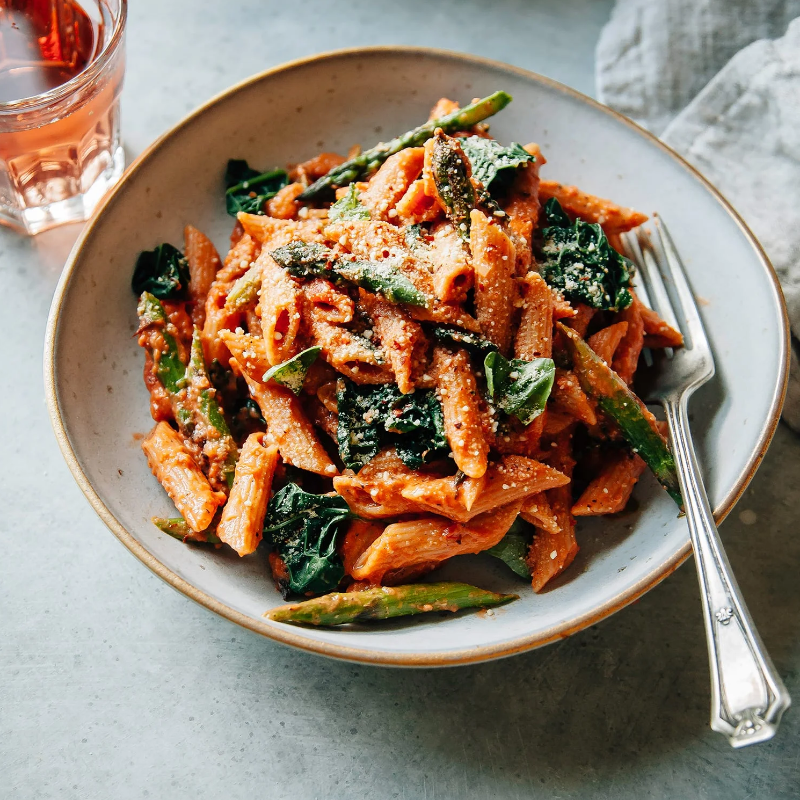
(747,694)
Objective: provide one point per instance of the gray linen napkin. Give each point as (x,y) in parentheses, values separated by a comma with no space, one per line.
(698,73)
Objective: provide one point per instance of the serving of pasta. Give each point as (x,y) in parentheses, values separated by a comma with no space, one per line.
(419,351)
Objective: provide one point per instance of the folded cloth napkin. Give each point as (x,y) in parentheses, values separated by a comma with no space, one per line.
(698,73)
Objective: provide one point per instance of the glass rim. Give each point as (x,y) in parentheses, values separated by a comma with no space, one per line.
(80,80)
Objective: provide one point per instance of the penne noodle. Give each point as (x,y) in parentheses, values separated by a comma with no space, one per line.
(330,303)
(284,205)
(204,263)
(567,397)
(452,271)
(534,337)
(626,356)
(610,491)
(242,522)
(316,167)
(279,304)
(288,426)
(172,464)
(658,333)
(537,511)
(495,290)
(577,203)
(388,185)
(249,351)
(509,480)
(348,353)
(522,208)
(431,540)
(551,553)
(458,394)
(401,338)
(415,207)
(360,535)
(443,107)
(606,341)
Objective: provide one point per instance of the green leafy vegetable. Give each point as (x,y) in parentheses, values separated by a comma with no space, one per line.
(292,373)
(367,162)
(457,338)
(519,387)
(579,262)
(303,528)
(385,602)
(451,174)
(349,207)
(163,272)
(247,189)
(374,416)
(491,160)
(307,259)
(513,548)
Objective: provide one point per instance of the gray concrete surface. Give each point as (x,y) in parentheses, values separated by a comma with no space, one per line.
(112,685)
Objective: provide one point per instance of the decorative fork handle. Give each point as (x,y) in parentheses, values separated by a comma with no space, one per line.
(748,696)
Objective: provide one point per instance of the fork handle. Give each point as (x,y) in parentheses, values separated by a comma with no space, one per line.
(747,694)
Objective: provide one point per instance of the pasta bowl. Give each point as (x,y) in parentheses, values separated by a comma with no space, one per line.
(99,405)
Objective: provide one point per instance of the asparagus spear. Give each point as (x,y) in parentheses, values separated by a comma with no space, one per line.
(208,414)
(384,602)
(177,528)
(362,165)
(619,402)
(306,259)
(451,174)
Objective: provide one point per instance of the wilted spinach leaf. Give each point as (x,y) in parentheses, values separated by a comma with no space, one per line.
(578,261)
(519,387)
(471,341)
(303,528)
(247,189)
(349,207)
(163,272)
(418,425)
(489,158)
(513,548)
(292,372)
(371,417)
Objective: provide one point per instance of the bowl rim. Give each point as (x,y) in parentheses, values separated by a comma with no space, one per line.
(287,634)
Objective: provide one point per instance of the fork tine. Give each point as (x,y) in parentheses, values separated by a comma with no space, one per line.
(686,305)
(652,274)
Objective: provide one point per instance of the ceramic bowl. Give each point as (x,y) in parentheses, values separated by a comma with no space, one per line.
(93,367)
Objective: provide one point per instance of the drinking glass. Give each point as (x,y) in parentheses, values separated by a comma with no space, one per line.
(60,148)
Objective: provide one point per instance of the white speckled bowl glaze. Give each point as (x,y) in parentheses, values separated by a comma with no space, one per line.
(93,366)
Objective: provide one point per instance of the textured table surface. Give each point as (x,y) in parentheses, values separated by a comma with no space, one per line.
(112,685)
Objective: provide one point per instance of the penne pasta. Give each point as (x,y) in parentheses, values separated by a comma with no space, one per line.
(536,510)
(609,492)
(401,338)
(431,540)
(289,427)
(242,521)
(284,205)
(522,208)
(606,341)
(613,218)
(415,207)
(495,291)
(568,398)
(534,337)
(204,263)
(658,333)
(551,553)
(452,272)
(183,480)
(388,185)
(626,355)
(458,393)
